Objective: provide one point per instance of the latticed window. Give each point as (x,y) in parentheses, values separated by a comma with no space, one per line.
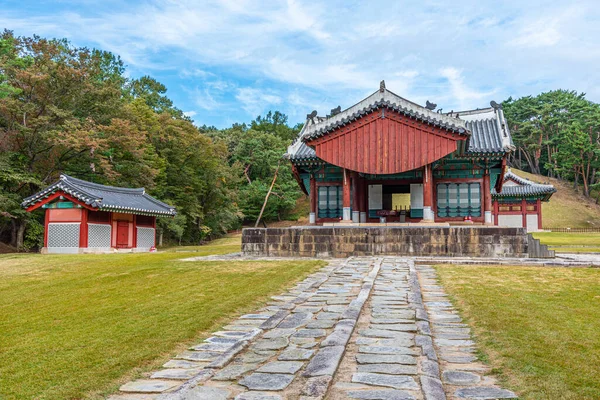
(458,200)
(330,201)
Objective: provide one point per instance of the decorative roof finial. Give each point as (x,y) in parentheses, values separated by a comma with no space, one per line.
(382,86)
(430,106)
(312,115)
(495,105)
(335,111)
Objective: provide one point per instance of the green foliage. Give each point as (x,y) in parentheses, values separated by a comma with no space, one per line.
(556,133)
(34,235)
(257,150)
(74,110)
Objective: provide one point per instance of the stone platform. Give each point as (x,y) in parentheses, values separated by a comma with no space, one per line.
(348,241)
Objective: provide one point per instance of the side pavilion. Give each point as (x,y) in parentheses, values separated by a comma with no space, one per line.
(387,157)
(83,216)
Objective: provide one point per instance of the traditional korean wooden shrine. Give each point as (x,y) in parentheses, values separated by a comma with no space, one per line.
(390,177)
(387,159)
(83,216)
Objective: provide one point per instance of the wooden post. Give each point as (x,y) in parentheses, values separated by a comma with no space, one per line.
(347,210)
(46,222)
(487,198)
(539,213)
(355,197)
(496,212)
(134,239)
(524,212)
(364,189)
(267,196)
(83,229)
(427,193)
(314,195)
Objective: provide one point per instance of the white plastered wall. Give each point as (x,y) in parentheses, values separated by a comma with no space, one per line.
(512,221)
(532,222)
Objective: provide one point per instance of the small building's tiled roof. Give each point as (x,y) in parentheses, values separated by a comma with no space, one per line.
(523,187)
(105,198)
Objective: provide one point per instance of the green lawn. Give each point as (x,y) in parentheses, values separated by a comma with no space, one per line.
(76,326)
(570,242)
(538,327)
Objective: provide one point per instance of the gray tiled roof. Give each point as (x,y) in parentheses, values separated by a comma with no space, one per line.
(489,130)
(299,151)
(105,198)
(487,127)
(382,98)
(524,187)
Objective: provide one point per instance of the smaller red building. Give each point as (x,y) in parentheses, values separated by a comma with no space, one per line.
(519,203)
(83,216)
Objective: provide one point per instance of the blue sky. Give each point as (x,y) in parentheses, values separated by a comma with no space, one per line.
(228,61)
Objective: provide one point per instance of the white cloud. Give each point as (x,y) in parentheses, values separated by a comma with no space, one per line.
(256,101)
(460,91)
(297,55)
(541,33)
(205,99)
(190,114)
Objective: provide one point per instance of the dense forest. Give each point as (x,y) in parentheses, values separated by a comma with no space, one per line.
(73,110)
(65,109)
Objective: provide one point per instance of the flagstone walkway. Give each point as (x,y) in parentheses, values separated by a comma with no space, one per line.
(360,328)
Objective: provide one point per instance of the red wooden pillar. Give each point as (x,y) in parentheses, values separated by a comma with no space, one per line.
(355,197)
(427,193)
(113,231)
(362,208)
(314,194)
(539,213)
(496,212)
(134,241)
(46,222)
(347,210)
(524,212)
(83,229)
(487,198)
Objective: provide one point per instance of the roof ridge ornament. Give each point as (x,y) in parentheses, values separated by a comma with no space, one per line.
(430,106)
(382,86)
(495,105)
(335,111)
(312,116)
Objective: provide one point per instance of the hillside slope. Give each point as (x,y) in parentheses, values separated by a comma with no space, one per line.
(566,208)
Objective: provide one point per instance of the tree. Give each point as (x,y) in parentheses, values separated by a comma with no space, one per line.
(556,134)
(72,110)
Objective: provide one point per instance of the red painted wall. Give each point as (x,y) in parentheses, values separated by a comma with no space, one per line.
(385,142)
(64,214)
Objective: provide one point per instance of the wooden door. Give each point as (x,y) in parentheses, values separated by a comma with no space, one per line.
(122,234)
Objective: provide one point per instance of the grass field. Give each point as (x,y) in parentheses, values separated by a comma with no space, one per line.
(76,326)
(570,242)
(538,327)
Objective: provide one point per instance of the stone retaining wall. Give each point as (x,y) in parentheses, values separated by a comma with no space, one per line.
(338,242)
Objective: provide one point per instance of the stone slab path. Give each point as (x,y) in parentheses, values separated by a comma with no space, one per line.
(360,328)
